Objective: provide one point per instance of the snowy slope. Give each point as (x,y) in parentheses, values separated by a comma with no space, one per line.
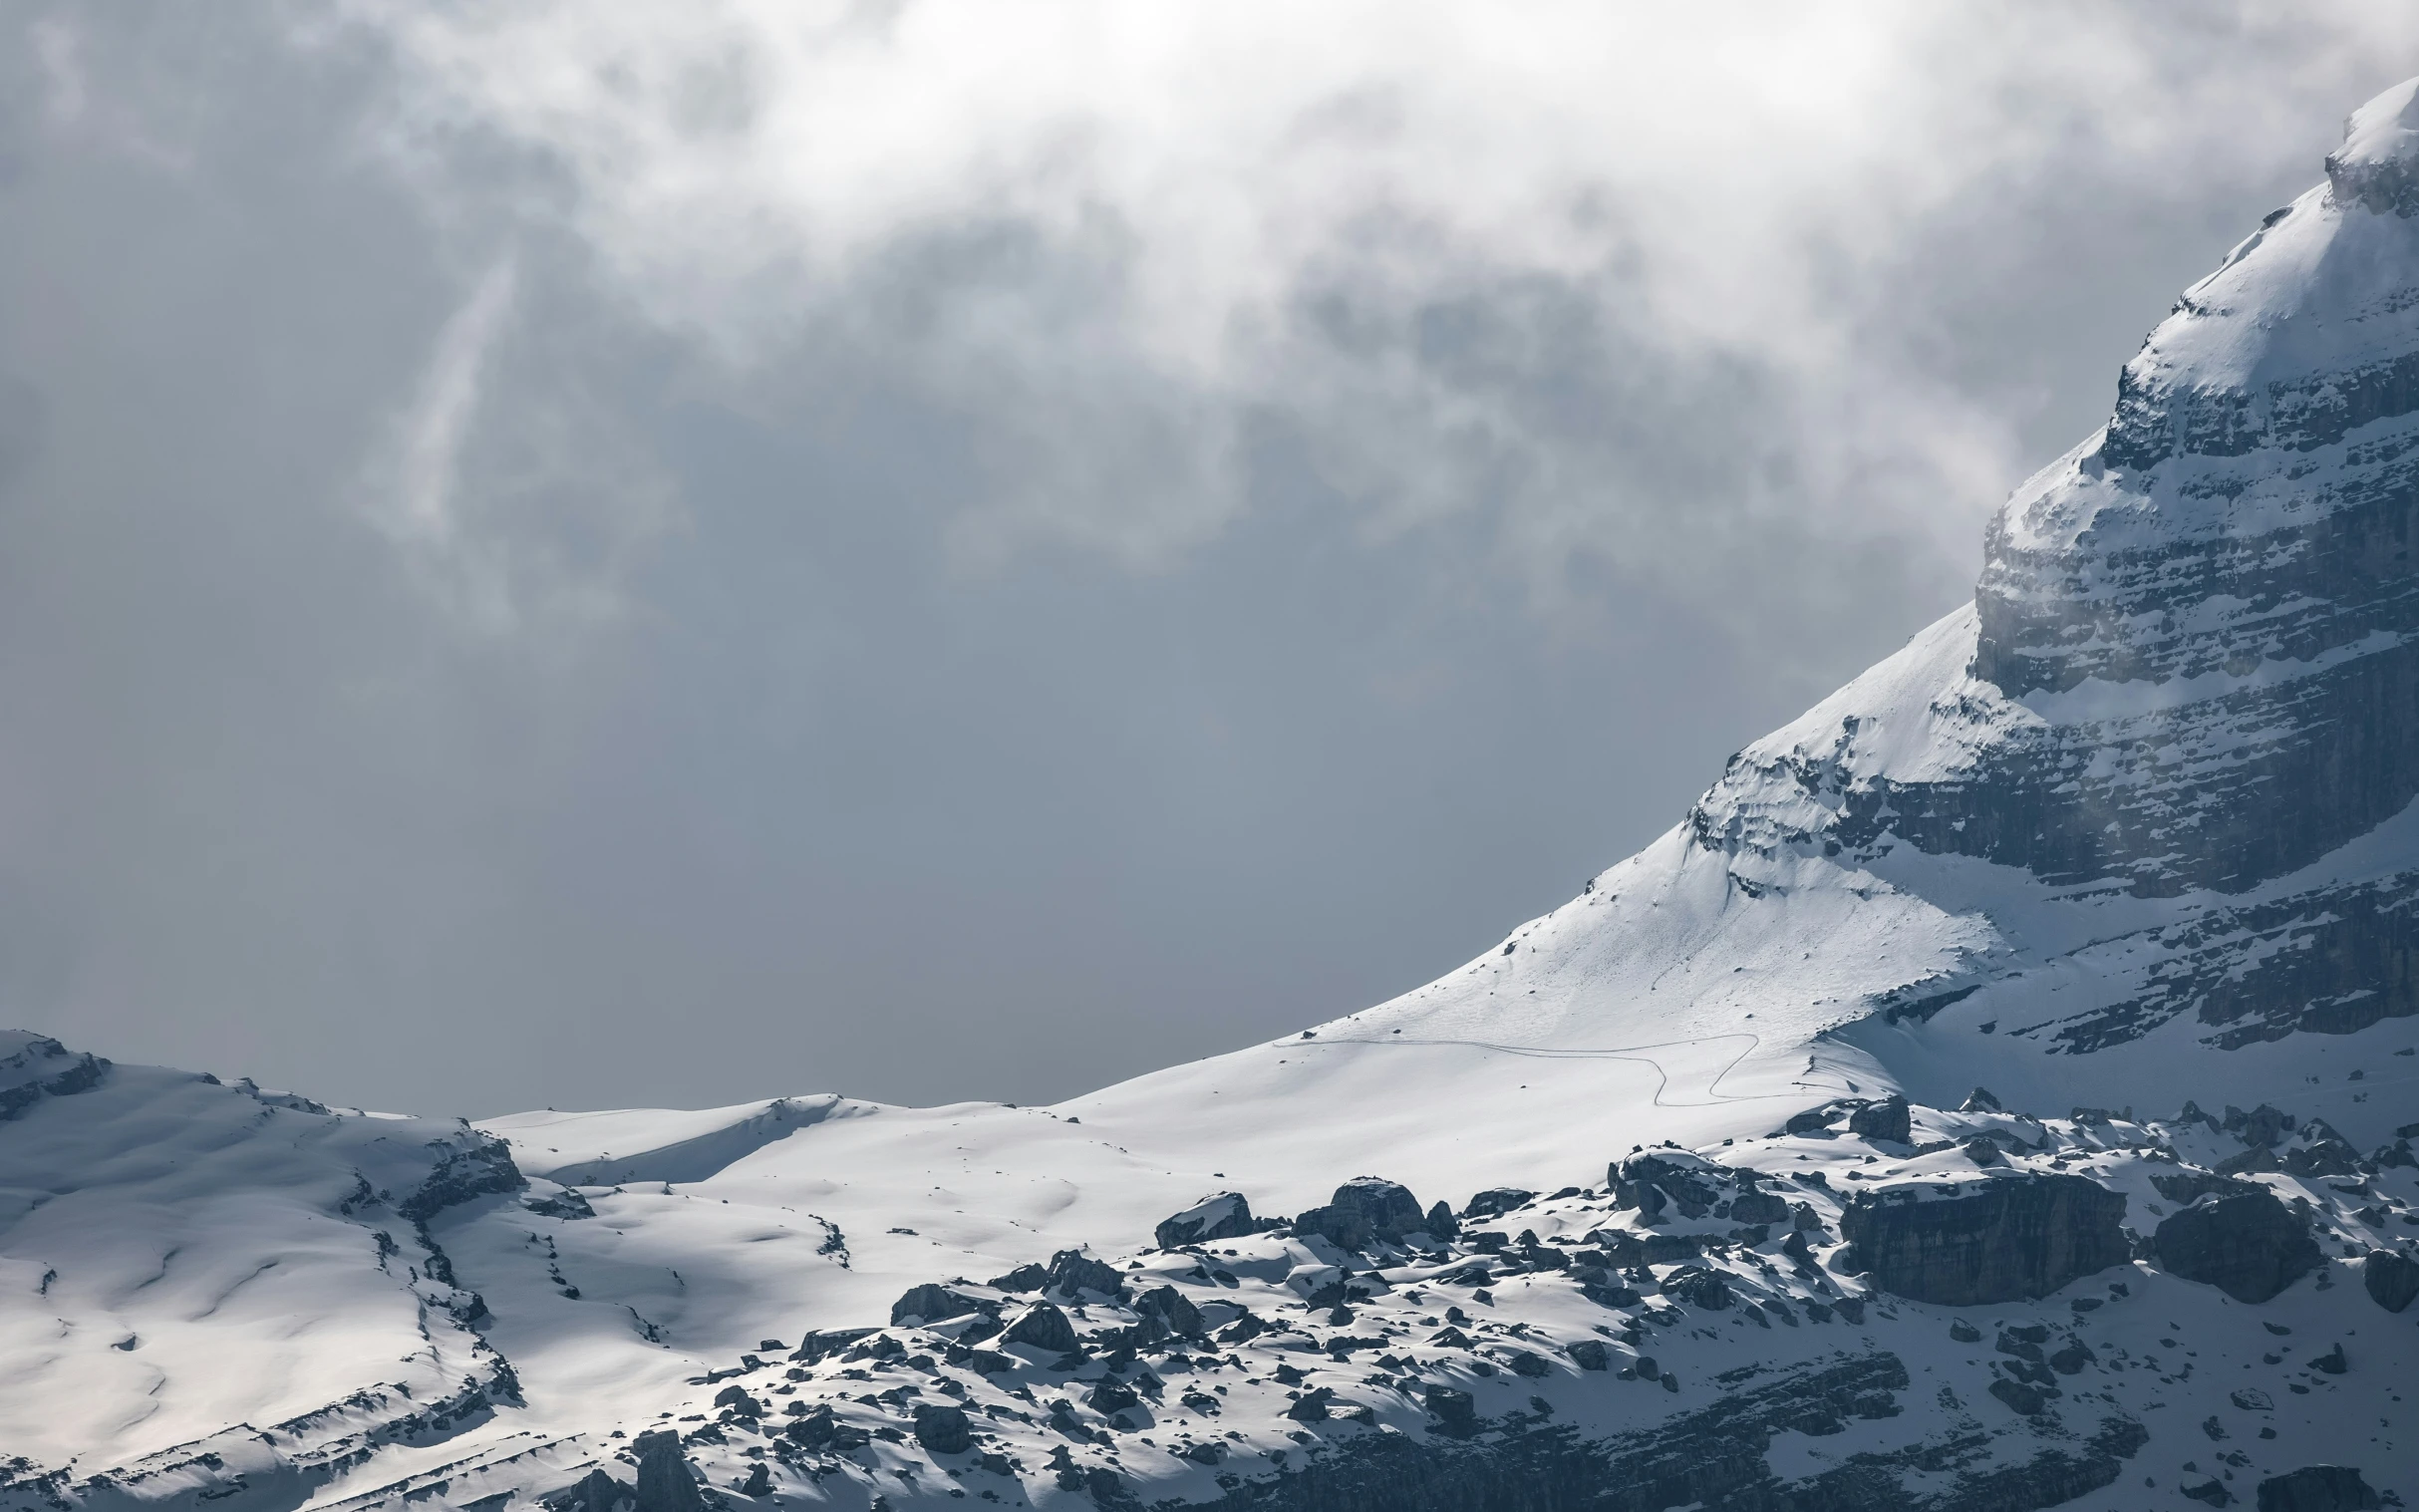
(2133,831)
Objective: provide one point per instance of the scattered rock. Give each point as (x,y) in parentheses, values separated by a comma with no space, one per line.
(2331,1362)
(1589,1354)
(1025,1278)
(2248,1245)
(1979,1100)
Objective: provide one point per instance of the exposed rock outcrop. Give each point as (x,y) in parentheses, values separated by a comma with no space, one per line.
(1040,1326)
(2191,668)
(1885,1119)
(1071,1272)
(2245,1244)
(468,1165)
(1172,1309)
(1222,1215)
(1997,1239)
(1363,1209)
(37,1066)
(1713,1457)
(2392,1280)
(1656,1180)
(2318,1488)
(594,1492)
(1496,1201)
(931,1303)
(664,1481)
(943,1429)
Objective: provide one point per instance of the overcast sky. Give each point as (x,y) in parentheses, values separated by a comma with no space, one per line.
(586,553)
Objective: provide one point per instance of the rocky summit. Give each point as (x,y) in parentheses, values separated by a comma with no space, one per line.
(1996,1091)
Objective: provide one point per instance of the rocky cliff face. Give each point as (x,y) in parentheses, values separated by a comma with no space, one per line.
(2190,675)
(2000,1237)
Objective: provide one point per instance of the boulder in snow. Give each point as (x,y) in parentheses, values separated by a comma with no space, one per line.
(664,1481)
(1365,1208)
(2392,1280)
(1041,1327)
(2245,1244)
(1222,1215)
(2318,1488)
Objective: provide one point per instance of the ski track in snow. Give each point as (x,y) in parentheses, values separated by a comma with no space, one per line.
(1714,1094)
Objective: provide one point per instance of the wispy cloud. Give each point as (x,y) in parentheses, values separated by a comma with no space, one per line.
(415,478)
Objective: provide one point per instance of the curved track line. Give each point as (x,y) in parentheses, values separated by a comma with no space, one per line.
(1623,1053)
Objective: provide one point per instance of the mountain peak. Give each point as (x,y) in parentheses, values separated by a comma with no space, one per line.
(2378,163)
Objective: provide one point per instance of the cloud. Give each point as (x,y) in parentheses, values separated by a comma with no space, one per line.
(417,475)
(1397,232)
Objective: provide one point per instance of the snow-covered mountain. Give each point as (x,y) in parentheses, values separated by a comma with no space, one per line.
(2130,837)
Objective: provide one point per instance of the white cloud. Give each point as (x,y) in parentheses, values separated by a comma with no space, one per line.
(416,476)
(1375,224)
(515,508)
